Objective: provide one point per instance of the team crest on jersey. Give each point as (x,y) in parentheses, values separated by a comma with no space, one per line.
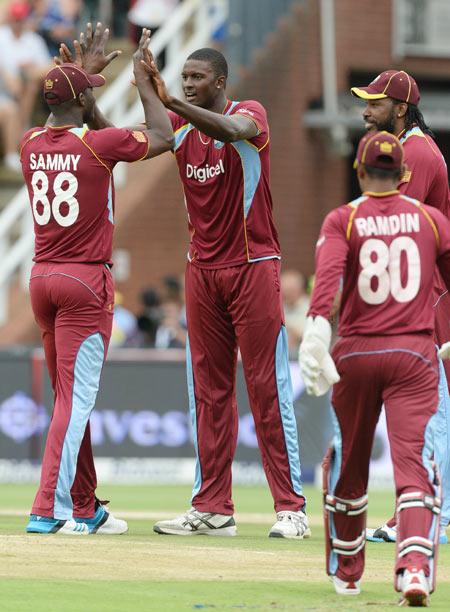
(48,84)
(406,177)
(139,136)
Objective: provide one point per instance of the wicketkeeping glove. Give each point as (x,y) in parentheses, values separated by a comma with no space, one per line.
(316,364)
(444,351)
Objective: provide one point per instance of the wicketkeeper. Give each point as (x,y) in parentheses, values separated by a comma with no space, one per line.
(384,246)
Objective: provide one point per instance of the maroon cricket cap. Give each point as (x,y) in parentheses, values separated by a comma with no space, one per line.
(67,81)
(380,150)
(396,84)
(18,10)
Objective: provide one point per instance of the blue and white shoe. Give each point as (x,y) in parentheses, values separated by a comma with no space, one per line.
(389,534)
(382,534)
(103,522)
(48,525)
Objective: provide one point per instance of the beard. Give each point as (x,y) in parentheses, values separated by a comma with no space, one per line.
(386,126)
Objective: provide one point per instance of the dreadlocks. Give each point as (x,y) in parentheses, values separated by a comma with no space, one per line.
(414,117)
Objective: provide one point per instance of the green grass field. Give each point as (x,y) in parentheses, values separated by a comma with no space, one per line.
(143,571)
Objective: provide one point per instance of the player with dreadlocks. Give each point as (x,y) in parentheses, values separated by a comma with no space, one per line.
(392,105)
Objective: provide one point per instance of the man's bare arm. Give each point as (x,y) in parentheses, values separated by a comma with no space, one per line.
(159,128)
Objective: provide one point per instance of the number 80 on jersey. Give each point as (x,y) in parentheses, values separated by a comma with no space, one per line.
(386,269)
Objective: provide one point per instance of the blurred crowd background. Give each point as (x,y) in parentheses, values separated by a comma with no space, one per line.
(30,34)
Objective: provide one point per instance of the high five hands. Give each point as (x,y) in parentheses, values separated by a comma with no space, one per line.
(89,50)
(90,55)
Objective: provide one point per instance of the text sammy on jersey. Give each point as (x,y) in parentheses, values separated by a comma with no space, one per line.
(54,161)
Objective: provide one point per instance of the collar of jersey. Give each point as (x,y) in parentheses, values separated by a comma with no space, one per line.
(61,127)
(404,132)
(227,106)
(380,194)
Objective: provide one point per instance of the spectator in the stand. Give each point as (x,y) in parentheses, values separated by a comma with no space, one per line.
(151,14)
(149,318)
(295,304)
(55,21)
(173,288)
(124,327)
(24,58)
(171,333)
(10,128)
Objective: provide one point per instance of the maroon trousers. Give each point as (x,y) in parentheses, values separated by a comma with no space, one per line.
(73,306)
(229,308)
(441,335)
(402,373)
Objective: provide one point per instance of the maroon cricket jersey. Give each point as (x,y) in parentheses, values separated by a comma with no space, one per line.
(68,173)
(227,192)
(426,177)
(385,247)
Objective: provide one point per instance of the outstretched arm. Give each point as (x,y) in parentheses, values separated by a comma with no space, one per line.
(221,127)
(159,128)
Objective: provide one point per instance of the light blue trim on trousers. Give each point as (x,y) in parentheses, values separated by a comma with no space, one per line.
(441,442)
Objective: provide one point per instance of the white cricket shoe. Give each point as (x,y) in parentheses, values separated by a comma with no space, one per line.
(382,534)
(291,525)
(194,522)
(346,588)
(111,526)
(50,525)
(414,587)
(72,527)
(103,522)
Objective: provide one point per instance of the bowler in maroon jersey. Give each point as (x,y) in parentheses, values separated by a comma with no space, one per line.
(233,300)
(68,173)
(385,246)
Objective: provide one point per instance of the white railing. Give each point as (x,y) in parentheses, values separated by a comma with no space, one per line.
(190,27)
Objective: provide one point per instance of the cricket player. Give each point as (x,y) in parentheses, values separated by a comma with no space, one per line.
(385,246)
(68,172)
(391,104)
(233,300)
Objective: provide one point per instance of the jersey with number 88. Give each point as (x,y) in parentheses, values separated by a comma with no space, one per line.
(68,173)
(65,187)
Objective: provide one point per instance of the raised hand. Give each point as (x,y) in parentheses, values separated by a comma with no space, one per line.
(148,63)
(66,57)
(89,50)
(138,55)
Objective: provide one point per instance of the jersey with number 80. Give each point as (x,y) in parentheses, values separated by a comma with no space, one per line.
(383,250)
(68,172)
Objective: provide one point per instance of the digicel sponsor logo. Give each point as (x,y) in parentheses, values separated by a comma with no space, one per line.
(203,173)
